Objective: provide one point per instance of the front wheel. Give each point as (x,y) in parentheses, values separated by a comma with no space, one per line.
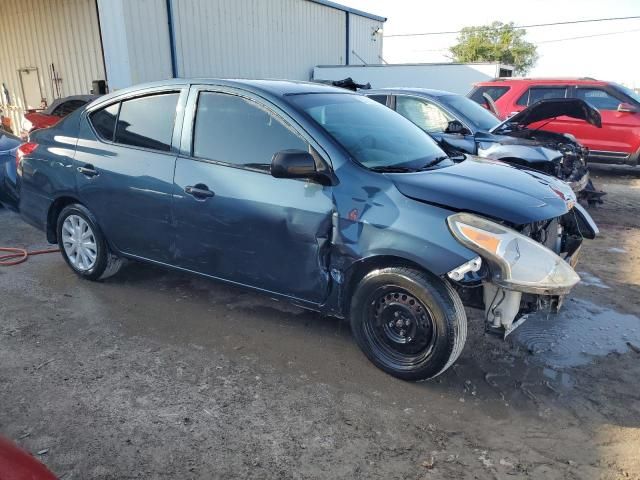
(408,323)
(83,245)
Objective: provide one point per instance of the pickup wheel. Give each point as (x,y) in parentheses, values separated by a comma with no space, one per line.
(408,323)
(83,245)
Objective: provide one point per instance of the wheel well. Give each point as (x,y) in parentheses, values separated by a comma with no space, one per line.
(52,217)
(361,268)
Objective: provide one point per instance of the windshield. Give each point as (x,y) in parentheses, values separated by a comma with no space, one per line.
(374,135)
(479,117)
(628,92)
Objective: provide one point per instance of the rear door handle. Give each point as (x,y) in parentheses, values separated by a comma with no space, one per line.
(199,191)
(88,171)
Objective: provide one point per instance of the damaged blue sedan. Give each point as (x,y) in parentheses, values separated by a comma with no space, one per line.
(307,193)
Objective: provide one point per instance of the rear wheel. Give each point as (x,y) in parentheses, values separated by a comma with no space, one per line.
(408,323)
(83,245)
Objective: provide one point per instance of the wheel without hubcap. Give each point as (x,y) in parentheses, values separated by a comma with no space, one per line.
(408,322)
(400,328)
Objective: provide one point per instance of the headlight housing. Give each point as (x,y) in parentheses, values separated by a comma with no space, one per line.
(517,262)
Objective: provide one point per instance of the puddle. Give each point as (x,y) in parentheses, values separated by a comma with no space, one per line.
(616,250)
(582,330)
(591,280)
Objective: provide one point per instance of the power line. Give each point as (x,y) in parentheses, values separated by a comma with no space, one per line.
(573,22)
(587,36)
(545,41)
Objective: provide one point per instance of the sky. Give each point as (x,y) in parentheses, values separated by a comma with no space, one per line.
(608,57)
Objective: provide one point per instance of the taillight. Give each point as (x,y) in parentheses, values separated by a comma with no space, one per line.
(24,149)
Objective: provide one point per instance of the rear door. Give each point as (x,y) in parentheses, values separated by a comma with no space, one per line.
(125,161)
(235,221)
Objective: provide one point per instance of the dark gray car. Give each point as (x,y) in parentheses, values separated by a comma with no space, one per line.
(461,125)
(311,194)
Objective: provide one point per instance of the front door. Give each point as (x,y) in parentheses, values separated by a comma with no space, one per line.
(235,221)
(125,164)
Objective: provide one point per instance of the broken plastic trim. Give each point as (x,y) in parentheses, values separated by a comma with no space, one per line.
(472,265)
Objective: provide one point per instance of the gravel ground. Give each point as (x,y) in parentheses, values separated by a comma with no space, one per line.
(156,374)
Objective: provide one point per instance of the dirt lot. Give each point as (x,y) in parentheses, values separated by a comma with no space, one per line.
(155,374)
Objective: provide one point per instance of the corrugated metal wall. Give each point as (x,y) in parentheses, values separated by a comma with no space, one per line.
(256,38)
(364,42)
(135,34)
(37,33)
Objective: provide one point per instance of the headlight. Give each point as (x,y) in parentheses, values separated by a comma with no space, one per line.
(517,262)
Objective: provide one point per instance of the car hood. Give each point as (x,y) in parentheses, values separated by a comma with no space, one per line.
(491,188)
(551,108)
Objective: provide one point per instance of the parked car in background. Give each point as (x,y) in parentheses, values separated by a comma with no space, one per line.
(16,464)
(461,125)
(617,142)
(8,189)
(59,109)
(308,193)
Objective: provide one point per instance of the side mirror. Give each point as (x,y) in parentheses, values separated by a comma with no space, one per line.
(454,126)
(627,108)
(293,164)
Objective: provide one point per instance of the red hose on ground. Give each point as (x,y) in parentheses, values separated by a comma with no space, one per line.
(20,255)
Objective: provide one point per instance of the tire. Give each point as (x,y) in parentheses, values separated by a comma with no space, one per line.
(409,323)
(94,261)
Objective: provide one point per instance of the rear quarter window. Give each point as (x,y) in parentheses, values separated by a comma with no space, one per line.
(104,121)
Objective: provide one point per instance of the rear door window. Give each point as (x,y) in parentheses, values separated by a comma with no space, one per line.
(147,122)
(494,92)
(238,131)
(535,94)
(598,98)
(104,121)
(428,116)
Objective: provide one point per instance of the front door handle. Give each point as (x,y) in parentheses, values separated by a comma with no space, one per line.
(199,191)
(88,171)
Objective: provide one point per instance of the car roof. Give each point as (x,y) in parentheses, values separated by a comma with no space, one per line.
(542,81)
(271,87)
(426,92)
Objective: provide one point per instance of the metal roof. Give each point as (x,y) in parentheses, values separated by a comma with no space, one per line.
(344,8)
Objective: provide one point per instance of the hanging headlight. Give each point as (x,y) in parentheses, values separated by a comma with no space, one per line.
(517,262)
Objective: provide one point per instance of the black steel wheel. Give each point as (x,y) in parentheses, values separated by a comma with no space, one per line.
(409,323)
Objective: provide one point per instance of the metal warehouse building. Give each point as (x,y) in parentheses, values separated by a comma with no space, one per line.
(55,48)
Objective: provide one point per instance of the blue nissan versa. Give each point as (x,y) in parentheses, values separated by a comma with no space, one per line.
(309,193)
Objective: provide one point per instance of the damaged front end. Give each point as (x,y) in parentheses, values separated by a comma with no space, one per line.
(519,270)
(571,166)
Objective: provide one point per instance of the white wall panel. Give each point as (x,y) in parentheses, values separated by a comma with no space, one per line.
(366,44)
(256,38)
(135,35)
(37,33)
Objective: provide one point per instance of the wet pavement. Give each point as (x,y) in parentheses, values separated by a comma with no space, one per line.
(580,332)
(157,374)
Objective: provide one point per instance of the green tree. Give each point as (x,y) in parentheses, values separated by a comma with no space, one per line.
(498,42)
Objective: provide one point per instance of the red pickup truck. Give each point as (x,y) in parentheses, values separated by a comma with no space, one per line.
(617,142)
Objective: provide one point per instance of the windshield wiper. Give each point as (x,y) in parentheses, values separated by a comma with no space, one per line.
(392,169)
(435,161)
